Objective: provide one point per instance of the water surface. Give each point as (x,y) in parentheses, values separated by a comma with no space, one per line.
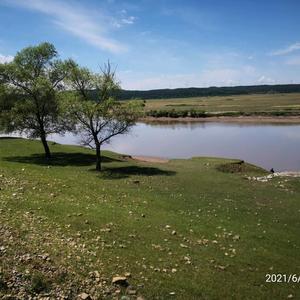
(268,145)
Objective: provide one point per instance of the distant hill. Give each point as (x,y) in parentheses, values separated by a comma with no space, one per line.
(210,91)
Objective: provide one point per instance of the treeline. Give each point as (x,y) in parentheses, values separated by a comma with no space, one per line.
(210,91)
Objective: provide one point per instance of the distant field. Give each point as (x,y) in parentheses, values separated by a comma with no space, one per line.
(284,104)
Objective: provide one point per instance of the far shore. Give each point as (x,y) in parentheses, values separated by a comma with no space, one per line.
(240,119)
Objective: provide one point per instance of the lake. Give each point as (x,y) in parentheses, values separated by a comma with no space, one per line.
(267,145)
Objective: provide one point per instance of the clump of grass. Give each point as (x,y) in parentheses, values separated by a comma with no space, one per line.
(3,285)
(39,283)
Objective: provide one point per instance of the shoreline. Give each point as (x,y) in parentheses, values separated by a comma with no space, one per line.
(164,160)
(161,160)
(240,119)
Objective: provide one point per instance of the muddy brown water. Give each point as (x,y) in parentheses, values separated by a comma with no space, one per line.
(267,145)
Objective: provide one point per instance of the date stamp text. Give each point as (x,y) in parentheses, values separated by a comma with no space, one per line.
(282,278)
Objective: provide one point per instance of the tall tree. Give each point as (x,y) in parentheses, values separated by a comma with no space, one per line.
(95,111)
(34,77)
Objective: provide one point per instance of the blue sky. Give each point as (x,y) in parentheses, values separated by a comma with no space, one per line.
(164,43)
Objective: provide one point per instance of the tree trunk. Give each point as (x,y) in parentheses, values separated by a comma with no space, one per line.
(98,155)
(46,147)
(43,134)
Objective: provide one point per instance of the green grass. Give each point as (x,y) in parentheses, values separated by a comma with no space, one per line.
(257,104)
(71,221)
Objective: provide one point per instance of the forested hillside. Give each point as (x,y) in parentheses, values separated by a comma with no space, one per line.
(210,91)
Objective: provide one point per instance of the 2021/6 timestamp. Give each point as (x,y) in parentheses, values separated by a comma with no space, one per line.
(282,278)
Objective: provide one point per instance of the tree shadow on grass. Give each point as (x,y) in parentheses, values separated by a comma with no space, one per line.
(10,138)
(61,159)
(127,171)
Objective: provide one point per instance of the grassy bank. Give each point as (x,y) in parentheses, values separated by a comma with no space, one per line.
(270,105)
(187,229)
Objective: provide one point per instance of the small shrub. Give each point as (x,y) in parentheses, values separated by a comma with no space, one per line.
(39,284)
(177,114)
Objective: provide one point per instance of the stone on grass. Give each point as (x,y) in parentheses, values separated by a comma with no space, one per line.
(120,280)
(236,237)
(84,296)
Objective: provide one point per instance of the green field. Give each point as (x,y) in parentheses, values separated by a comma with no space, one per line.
(257,104)
(187,229)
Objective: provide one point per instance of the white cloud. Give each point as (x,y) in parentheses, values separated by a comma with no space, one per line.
(265,80)
(123,19)
(287,50)
(5,58)
(74,19)
(128,20)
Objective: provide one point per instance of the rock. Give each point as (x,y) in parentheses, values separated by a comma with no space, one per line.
(120,280)
(127,274)
(221,267)
(132,292)
(236,238)
(174,232)
(97,275)
(84,296)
